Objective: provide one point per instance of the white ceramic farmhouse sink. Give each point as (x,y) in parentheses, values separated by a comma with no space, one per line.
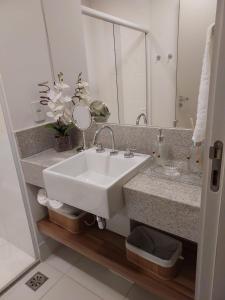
(92,181)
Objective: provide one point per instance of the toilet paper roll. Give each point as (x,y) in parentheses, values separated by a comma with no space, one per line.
(42,197)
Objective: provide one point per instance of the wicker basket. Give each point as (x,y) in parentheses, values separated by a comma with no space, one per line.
(149,263)
(72,223)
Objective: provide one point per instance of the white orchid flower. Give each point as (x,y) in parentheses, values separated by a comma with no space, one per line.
(59,108)
(54,96)
(50,114)
(58,116)
(67,119)
(61,86)
(51,105)
(85,97)
(82,84)
(67,99)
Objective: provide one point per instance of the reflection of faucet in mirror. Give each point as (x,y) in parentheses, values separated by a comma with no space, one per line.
(99,147)
(141,115)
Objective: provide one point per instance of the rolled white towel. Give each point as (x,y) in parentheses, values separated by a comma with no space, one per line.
(55,204)
(42,197)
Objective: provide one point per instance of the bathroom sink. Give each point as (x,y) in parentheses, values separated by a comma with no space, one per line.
(92,181)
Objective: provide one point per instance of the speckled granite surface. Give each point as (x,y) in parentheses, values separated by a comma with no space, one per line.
(34,165)
(168,205)
(49,157)
(144,138)
(37,139)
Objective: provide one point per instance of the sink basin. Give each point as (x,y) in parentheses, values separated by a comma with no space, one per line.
(92,181)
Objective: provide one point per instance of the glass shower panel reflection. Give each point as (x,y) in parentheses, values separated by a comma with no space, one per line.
(131,72)
(100,55)
(16,247)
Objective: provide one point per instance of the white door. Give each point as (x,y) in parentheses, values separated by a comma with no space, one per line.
(211,254)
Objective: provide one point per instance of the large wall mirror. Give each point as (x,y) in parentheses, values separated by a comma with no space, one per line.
(142,58)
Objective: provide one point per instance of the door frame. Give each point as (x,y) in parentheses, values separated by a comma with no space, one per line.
(211,251)
(16,160)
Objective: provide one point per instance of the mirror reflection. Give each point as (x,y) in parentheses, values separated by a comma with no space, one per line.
(143,58)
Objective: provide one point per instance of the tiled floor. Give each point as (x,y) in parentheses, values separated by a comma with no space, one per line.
(13,261)
(73,277)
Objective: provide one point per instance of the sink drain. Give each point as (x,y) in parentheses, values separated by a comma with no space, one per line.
(36,281)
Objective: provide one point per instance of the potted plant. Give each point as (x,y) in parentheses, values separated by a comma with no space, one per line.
(61,108)
(62,137)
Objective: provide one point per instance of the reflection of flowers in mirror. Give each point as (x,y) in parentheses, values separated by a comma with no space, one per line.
(81,91)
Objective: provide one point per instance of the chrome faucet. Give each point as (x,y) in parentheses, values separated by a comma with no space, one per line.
(141,115)
(99,146)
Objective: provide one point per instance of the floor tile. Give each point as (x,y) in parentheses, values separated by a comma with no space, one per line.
(13,262)
(21,291)
(137,293)
(100,280)
(63,258)
(68,289)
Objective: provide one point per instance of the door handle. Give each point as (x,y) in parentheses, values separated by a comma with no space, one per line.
(216,155)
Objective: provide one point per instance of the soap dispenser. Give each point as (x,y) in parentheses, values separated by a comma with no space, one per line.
(161,149)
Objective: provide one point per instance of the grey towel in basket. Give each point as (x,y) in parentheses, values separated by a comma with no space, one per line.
(153,242)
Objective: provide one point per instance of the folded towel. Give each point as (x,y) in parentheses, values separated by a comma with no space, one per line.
(200,127)
(55,204)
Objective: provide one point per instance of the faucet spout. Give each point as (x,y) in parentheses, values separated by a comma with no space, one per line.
(109,129)
(142,115)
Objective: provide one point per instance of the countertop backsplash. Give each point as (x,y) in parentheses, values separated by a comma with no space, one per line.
(37,139)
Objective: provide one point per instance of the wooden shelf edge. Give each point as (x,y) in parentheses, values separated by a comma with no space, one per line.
(92,245)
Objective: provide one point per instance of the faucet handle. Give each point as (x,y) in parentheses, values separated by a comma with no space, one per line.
(129,153)
(114,152)
(100,148)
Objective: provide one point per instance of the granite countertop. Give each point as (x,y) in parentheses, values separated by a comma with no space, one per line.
(34,165)
(169,204)
(147,181)
(187,194)
(48,157)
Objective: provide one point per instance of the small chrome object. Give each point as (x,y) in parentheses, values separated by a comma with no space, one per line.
(182,100)
(141,115)
(114,152)
(105,127)
(100,148)
(101,222)
(129,153)
(170,56)
(82,119)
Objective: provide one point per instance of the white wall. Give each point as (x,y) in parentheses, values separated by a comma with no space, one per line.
(195,18)
(13,220)
(24,59)
(161,17)
(64,27)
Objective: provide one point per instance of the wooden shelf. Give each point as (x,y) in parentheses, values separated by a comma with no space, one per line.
(108,249)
